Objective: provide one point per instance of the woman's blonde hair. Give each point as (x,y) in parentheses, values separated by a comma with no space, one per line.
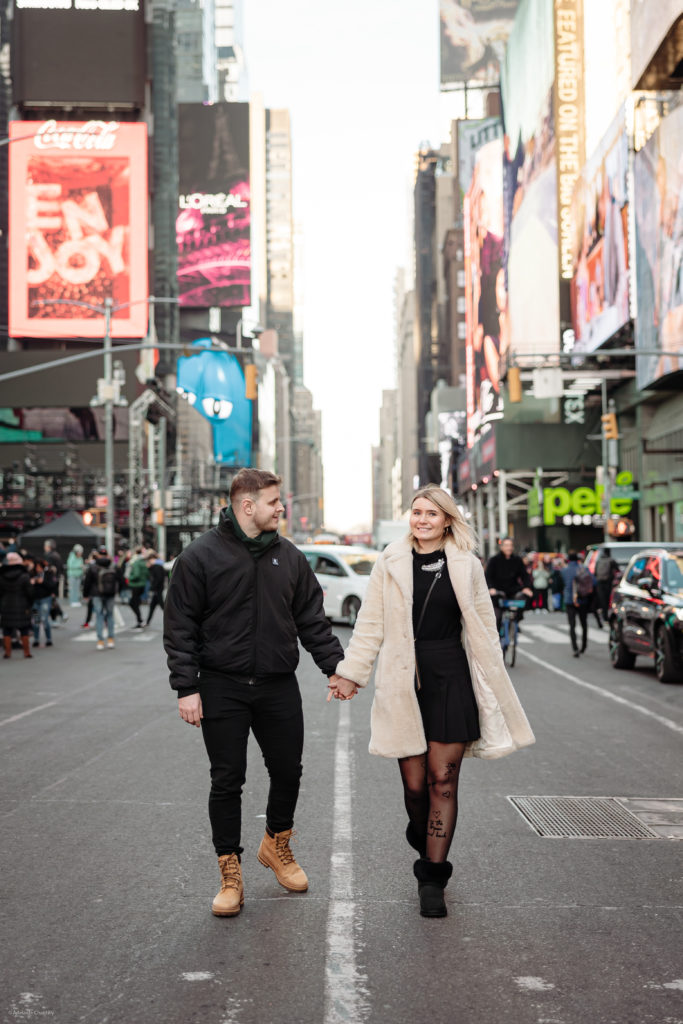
(457,526)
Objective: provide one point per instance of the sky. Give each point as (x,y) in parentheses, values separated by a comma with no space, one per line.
(361,80)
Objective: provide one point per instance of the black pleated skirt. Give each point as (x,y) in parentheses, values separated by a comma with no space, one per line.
(445,695)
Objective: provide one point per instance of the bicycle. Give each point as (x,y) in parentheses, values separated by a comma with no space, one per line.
(509,625)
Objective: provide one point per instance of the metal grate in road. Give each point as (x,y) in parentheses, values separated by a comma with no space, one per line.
(581,817)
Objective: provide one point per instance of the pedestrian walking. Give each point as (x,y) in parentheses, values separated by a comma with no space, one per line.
(52,556)
(541,580)
(606,568)
(138,575)
(45,586)
(75,570)
(157,582)
(101,585)
(557,584)
(16,600)
(441,689)
(579,587)
(238,599)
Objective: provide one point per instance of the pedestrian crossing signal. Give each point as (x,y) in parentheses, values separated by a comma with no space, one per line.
(610,428)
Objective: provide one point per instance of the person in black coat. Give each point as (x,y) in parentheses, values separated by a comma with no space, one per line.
(16,600)
(239,600)
(507,572)
(157,582)
(45,587)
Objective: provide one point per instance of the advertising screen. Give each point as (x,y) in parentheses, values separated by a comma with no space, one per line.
(214,206)
(472,135)
(77,228)
(530,249)
(473,34)
(486,308)
(659,250)
(607,64)
(87,52)
(599,288)
(60,424)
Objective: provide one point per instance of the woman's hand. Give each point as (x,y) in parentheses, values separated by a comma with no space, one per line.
(341,689)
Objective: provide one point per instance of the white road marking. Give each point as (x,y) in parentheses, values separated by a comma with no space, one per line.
(345,989)
(667,722)
(543,633)
(531,984)
(196,975)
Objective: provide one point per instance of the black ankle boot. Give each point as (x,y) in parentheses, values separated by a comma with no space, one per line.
(432,879)
(415,840)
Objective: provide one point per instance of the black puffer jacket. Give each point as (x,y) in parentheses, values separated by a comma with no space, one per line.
(230,613)
(16,597)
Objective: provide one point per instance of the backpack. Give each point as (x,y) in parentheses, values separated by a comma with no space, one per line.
(583,584)
(106,581)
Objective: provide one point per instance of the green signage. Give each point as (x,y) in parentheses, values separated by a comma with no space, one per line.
(558,502)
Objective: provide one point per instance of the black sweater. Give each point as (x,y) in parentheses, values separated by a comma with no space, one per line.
(229,613)
(507,574)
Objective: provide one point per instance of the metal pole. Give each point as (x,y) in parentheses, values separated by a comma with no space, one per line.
(502,504)
(606,476)
(108,428)
(479,510)
(491,509)
(161,477)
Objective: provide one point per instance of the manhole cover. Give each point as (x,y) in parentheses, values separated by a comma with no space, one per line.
(601,817)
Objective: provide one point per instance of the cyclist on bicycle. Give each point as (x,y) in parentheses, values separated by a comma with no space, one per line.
(506,573)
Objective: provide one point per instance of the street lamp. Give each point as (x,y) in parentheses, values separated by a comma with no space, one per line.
(107,391)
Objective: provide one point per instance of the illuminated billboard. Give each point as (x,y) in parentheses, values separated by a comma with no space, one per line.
(214,206)
(90,53)
(486,307)
(77,228)
(472,135)
(60,424)
(530,250)
(599,288)
(473,34)
(650,23)
(659,251)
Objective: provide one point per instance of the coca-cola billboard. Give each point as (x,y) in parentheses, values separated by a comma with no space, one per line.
(90,53)
(77,228)
(214,206)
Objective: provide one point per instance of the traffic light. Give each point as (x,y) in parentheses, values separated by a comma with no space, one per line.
(514,384)
(610,430)
(621,527)
(250,381)
(93,517)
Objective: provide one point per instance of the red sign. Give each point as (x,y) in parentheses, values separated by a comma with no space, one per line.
(77,228)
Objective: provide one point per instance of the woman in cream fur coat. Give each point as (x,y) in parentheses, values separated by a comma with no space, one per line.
(457,701)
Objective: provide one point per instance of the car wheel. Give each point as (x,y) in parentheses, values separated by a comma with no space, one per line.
(667,667)
(350,610)
(619,654)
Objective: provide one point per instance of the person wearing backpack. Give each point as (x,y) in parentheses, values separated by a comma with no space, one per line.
(101,585)
(605,570)
(579,586)
(138,574)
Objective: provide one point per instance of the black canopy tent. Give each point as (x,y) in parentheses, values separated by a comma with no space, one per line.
(65,531)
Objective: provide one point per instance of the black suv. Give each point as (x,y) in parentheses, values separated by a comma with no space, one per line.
(646,616)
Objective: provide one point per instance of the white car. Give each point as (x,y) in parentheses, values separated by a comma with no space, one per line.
(343,573)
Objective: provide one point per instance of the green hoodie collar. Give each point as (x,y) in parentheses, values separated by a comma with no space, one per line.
(256,546)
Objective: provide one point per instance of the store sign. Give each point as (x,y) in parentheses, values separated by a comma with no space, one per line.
(579,506)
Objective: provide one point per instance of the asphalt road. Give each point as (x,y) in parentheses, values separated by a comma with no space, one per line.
(108,871)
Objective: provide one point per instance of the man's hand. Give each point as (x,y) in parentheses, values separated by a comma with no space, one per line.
(529,593)
(341,689)
(190,709)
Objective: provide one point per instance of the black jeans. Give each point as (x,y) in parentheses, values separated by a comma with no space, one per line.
(272,709)
(156,599)
(582,613)
(135,599)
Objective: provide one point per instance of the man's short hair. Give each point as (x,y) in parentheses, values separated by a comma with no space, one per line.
(251,481)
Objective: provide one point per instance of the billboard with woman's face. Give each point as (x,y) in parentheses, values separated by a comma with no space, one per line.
(599,287)
(658,190)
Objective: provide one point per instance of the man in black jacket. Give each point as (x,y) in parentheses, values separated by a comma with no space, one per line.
(506,572)
(239,599)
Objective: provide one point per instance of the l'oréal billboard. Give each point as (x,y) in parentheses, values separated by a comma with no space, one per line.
(473,34)
(599,288)
(89,53)
(78,217)
(214,205)
(486,305)
(658,187)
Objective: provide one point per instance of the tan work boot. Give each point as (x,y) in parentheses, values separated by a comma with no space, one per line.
(26,646)
(7,642)
(274,852)
(230,899)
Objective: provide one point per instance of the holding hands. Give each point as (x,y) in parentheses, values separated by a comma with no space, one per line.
(341,689)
